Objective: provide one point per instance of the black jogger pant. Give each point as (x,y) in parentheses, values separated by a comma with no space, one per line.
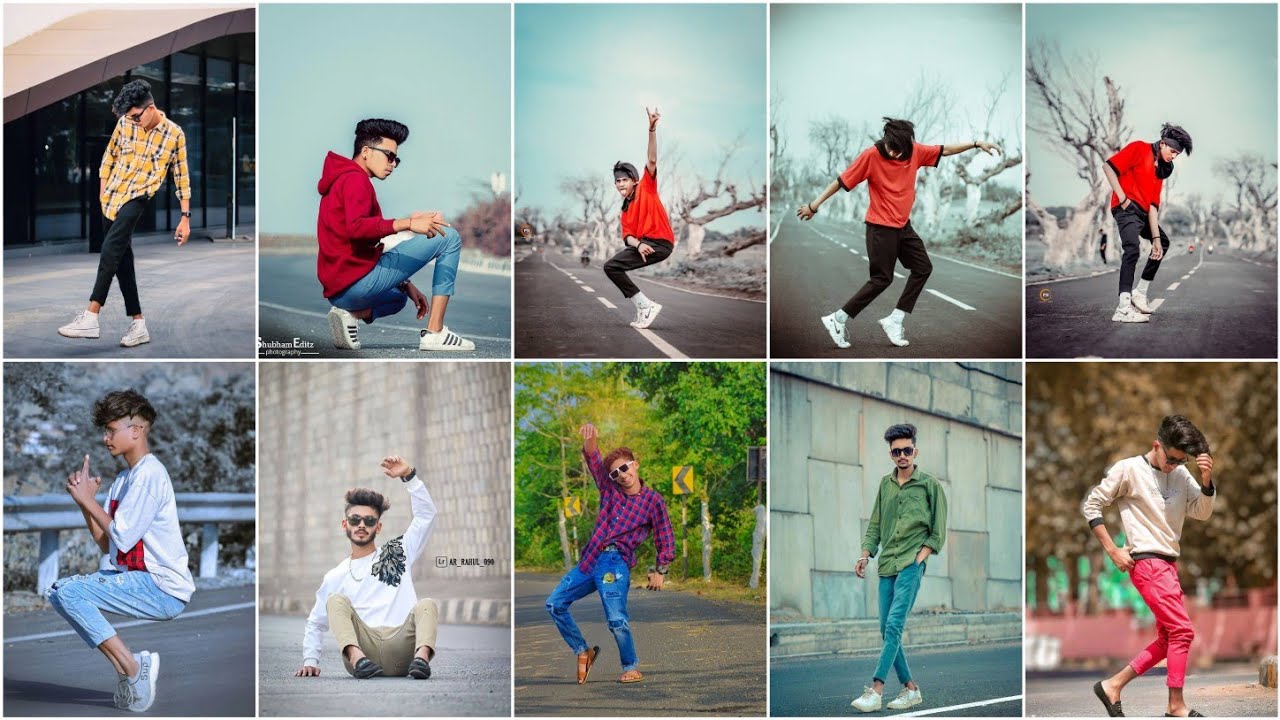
(885,247)
(116,258)
(1134,224)
(630,259)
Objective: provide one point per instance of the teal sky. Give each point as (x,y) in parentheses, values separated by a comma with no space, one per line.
(584,74)
(443,70)
(1209,68)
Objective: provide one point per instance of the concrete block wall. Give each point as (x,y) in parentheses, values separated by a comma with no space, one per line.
(324,427)
(827,456)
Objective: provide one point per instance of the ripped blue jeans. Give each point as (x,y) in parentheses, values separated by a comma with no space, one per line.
(380,289)
(612,579)
(80,599)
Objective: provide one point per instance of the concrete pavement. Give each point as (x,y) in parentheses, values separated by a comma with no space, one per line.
(1227,690)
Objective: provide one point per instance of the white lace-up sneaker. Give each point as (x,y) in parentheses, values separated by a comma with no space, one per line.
(894,331)
(646,316)
(444,341)
(137,334)
(869,702)
(839,333)
(84,326)
(908,698)
(123,695)
(344,329)
(1127,313)
(1139,300)
(143,689)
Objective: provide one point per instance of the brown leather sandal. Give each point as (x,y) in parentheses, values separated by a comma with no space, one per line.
(585,661)
(637,677)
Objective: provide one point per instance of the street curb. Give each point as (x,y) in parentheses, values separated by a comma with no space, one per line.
(453,611)
(1267,672)
(787,640)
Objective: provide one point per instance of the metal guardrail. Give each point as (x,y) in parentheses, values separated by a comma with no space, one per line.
(48,514)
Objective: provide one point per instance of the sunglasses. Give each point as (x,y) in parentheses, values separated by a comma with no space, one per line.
(902,452)
(613,474)
(136,118)
(392,158)
(1176,461)
(354,520)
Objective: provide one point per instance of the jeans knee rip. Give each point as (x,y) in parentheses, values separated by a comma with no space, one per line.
(619,624)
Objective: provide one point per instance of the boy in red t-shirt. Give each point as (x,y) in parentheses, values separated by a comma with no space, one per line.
(889,168)
(646,229)
(1137,174)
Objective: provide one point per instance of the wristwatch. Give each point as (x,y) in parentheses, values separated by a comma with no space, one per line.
(662,569)
(185,213)
(413,473)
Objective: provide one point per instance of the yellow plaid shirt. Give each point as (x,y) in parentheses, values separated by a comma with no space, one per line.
(137,160)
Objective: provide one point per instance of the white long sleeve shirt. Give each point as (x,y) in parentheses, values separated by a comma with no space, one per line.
(1152,504)
(379,585)
(144,532)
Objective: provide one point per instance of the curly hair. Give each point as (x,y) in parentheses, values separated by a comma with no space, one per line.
(122,404)
(616,453)
(1177,432)
(369,132)
(134,94)
(1175,132)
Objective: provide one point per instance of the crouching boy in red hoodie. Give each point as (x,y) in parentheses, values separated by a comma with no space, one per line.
(361,278)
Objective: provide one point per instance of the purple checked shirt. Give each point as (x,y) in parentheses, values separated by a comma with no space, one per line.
(625,520)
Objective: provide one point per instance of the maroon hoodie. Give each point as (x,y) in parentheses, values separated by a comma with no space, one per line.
(350,226)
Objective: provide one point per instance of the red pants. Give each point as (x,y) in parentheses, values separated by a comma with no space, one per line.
(1157,582)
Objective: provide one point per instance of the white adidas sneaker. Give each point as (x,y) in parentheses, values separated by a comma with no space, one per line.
(344,329)
(444,341)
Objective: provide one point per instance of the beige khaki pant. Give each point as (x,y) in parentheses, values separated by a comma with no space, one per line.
(390,647)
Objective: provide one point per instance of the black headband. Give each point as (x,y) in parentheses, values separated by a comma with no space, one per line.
(1172,142)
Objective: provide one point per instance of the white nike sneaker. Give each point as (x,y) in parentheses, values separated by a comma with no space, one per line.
(1129,314)
(1139,300)
(646,316)
(137,334)
(84,326)
(894,331)
(143,690)
(444,341)
(344,329)
(869,702)
(908,698)
(839,333)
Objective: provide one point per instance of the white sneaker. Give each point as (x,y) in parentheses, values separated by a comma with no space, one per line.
(143,689)
(908,698)
(646,316)
(137,334)
(344,329)
(839,333)
(84,326)
(894,331)
(869,702)
(445,340)
(1129,314)
(1139,300)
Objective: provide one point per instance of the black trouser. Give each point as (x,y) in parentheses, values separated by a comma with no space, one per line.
(116,258)
(1103,252)
(1134,224)
(630,259)
(885,247)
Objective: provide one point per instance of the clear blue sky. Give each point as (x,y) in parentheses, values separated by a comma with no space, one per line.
(443,70)
(1209,68)
(584,74)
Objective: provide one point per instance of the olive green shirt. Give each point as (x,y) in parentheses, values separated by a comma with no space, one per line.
(906,518)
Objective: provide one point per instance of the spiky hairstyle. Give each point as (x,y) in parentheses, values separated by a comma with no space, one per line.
(134,94)
(122,404)
(364,497)
(369,132)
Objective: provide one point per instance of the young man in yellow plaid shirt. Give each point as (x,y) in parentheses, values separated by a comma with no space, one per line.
(143,148)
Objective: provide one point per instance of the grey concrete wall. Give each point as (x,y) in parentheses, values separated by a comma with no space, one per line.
(323,429)
(827,423)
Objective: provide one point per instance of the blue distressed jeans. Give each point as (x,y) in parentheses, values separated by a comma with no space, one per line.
(612,579)
(897,596)
(80,599)
(379,289)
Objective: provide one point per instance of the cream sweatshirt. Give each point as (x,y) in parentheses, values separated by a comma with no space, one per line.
(1152,504)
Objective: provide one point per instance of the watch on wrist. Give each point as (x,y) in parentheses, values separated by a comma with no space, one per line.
(413,473)
(662,569)
(185,213)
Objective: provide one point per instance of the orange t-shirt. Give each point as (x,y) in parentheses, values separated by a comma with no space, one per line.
(892,183)
(643,217)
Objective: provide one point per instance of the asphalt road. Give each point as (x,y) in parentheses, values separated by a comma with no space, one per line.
(565,310)
(292,305)
(206,661)
(699,657)
(197,299)
(1225,691)
(1223,308)
(470,676)
(816,266)
(955,682)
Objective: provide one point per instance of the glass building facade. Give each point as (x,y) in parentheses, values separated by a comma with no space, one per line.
(51,155)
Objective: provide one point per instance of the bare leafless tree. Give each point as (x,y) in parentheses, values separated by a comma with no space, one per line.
(977,171)
(700,201)
(1252,220)
(834,138)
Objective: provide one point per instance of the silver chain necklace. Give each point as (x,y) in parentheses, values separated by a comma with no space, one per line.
(350,562)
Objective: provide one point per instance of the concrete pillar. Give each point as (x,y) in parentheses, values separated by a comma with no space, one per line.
(209,550)
(48,572)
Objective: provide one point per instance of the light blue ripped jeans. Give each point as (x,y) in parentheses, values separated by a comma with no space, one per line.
(379,289)
(80,599)
(897,597)
(612,579)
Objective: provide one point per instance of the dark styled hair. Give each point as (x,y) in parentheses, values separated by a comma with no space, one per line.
(899,135)
(122,404)
(905,431)
(621,452)
(1177,432)
(369,132)
(627,168)
(1169,130)
(365,497)
(135,93)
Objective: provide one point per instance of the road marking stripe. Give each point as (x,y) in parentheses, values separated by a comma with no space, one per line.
(588,288)
(607,304)
(673,287)
(899,275)
(393,326)
(667,348)
(1184,277)
(952,300)
(1155,304)
(1173,287)
(576,280)
(135,623)
(980,703)
(776,228)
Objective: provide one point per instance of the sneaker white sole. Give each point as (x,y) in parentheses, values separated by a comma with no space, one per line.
(904,706)
(833,330)
(151,683)
(1130,318)
(884,325)
(135,341)
(642,324)
(338,333)
(86,334)
(866,709)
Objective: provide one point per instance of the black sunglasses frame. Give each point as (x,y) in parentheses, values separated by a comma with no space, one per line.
(902,452)
(392,158)
(355,520)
